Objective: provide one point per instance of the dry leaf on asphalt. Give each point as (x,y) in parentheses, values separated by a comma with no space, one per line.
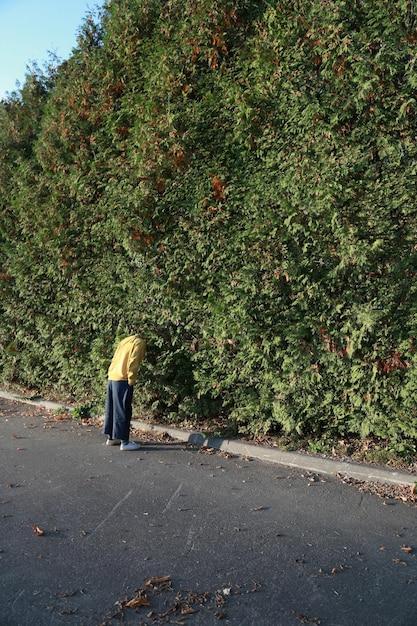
(227,455)
(179,610)
(206,450)
(187,610)
(133,603)
(338,568)
(38,530)
(407,549)
(404,493)
(158,582)
(219,599)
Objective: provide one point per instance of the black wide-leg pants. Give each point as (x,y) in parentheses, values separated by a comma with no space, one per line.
(118,409)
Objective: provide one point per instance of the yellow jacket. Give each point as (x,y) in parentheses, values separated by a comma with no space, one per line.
(126,360)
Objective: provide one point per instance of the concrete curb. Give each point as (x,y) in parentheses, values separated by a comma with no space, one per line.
(290,459)
(296,460)
(34,401)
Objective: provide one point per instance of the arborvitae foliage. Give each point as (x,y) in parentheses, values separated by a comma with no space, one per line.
(235,180)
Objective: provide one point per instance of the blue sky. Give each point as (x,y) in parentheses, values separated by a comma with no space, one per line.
(31,28)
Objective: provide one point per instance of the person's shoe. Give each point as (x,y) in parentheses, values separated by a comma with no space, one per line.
(130,445)
(113,442)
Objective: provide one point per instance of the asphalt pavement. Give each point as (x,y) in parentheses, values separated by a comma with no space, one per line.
(87,529)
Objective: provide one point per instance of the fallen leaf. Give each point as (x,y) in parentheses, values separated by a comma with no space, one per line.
(407,549)
(399,562)
(187,610)
(227,455)
(135,602)
(206,450)
(219,599)
(38,530)
(158,581)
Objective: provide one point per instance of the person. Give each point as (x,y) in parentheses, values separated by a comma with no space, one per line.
(122,375)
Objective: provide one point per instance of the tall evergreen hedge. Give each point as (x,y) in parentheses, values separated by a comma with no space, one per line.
(236,180)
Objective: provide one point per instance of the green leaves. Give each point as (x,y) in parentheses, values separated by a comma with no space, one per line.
(234,180)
